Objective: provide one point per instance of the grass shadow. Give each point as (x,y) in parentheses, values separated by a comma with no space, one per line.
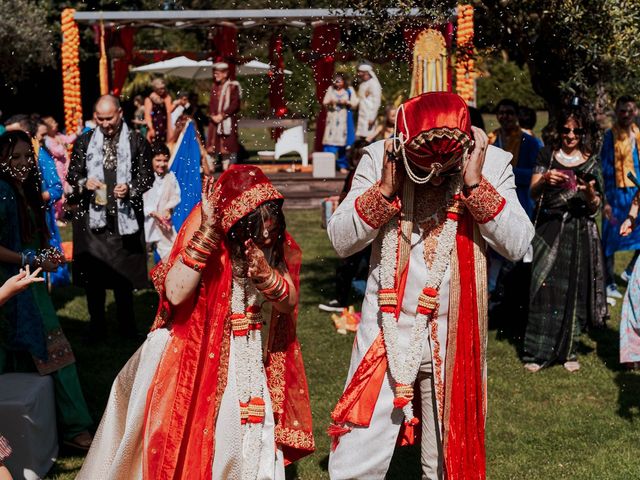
(628,395)
(607,343)
(405,463)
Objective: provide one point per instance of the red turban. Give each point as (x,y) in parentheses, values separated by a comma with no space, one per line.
(435,128)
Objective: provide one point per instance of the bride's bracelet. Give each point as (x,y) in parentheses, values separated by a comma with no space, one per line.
(275,288)
(199,248)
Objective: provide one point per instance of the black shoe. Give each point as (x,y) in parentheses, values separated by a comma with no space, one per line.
(331,306)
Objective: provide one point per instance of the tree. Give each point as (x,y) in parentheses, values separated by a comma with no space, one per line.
(570,47)
(26,40)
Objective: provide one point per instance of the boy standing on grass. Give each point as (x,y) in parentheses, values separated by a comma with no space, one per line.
(159,202)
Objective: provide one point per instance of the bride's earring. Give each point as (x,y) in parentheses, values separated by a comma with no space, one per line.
(265,232)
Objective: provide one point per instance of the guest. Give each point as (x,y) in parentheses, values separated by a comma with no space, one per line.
(19,283)
(630,318)
(159,202)
(370,97)
(619,155)
(52,193)
(521,145)
(348,267)
(138,121)
(188,163)
(195,111)
(339,132)
(386,129)
(5,451)
(157,112)
(527,120)
(30,336)
(179,106)
(57,145)
(224,106)
(567,292)
(110,170)
(524,150)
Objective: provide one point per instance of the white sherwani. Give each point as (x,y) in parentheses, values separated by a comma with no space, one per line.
(370,95)
(365,453)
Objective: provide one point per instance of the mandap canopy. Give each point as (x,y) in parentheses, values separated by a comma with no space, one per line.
(432,47)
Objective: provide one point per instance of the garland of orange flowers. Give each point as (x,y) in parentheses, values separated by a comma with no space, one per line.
(71,71)
(465,74)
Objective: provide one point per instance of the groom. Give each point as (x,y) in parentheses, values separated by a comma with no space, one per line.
(428,202)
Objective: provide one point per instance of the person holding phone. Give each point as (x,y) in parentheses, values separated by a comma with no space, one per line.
(567,291)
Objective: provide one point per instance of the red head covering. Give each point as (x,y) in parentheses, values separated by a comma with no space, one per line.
(240,190)
(435,129)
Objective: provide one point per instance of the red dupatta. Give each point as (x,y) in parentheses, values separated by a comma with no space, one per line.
(184,400)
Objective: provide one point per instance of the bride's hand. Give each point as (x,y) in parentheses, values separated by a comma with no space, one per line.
(208,207)
(258,269)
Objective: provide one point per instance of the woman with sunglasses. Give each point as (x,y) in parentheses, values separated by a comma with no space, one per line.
(567,291)
(201,398)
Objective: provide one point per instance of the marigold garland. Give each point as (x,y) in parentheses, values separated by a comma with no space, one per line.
(71,71)
(465,73)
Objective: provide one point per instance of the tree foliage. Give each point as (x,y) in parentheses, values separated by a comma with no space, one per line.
(500,79)
(26,39)
(571,47)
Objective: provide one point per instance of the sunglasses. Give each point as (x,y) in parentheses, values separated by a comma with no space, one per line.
(577,131)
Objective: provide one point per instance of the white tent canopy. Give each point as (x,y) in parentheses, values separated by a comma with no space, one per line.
(184,67)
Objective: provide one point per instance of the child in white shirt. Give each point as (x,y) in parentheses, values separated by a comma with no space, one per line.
(159,202)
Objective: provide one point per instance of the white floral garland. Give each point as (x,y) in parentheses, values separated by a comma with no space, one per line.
(249,371)
(405,370)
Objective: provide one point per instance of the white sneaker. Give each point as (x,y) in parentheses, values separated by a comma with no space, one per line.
(611,301)
(625,276)
(331,306)
(612,291)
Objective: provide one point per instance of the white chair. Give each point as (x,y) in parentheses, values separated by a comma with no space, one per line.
(291,140)
(28,421)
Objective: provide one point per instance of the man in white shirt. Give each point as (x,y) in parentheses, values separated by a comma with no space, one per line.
(370,96)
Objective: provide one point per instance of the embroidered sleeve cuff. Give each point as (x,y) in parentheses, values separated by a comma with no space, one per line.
(374,209)
(484,202)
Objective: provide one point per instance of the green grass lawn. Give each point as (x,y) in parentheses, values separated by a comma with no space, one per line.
(549,425)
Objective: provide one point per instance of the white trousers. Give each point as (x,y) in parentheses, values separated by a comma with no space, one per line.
(365,453)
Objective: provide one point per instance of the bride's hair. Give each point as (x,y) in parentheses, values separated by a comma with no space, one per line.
(251,226)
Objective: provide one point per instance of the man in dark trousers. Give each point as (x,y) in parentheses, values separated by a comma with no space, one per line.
(109,171)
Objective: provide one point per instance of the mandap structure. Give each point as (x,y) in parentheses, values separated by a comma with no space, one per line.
(433,48)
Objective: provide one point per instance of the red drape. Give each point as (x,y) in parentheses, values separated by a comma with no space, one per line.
(123,38)
(225,47)
(323,47)
(276,81)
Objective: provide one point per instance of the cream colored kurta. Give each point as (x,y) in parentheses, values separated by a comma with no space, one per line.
(370,95)
(366,452)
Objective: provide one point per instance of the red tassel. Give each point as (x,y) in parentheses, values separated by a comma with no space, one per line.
(424,310)
(453,216)
(388,309)
(413,422)
(400,402)
(335,432)
(430,291)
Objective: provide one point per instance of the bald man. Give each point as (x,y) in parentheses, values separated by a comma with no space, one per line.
(109,171)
